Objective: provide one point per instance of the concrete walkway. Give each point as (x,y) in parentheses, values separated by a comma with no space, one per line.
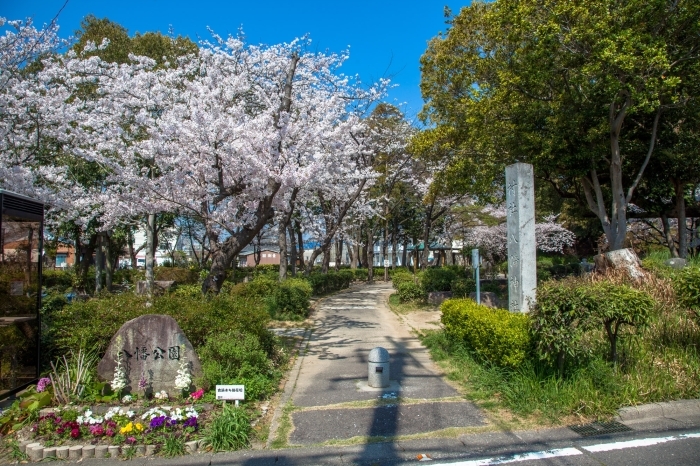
(328,387)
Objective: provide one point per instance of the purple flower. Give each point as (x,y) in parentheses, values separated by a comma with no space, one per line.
(170,422)
(190,422)
(157,422)
(143,383)
(42,384)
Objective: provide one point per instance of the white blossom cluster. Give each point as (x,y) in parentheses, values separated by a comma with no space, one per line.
(119,380)
(88,418)
(116,410)
(176,414)
(183,378)
(161,395)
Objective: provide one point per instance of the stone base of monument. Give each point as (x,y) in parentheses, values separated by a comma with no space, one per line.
(624,260)
(158,286)
(437,297)
(488,298)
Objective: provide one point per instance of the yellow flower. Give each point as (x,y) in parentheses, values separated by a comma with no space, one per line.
(127,428)
(139,426)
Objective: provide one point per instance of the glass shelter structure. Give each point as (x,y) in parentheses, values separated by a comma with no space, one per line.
(21,228)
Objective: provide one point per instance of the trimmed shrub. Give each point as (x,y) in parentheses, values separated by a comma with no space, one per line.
(495,335)
(360,274)
(237,357)
(409,291)
(461,287)
(437,279)
(292,297)
(402,276)
(323,283)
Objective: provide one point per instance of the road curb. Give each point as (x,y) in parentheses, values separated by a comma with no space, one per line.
(659,410)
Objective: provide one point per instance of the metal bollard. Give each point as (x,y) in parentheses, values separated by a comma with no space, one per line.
(378,368)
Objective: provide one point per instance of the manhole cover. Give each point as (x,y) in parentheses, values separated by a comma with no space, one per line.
(599,428)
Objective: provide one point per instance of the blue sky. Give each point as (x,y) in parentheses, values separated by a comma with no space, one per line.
(386,38)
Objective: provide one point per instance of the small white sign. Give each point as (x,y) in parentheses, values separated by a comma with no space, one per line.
(16,288)
(230,392)
(386,262)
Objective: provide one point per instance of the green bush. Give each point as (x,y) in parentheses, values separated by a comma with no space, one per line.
(402,276)
(461,287)
(562,315)
(495,335)
(409,291)
(360,274)
(617,305)
(292,297)
(236,357)
(437,279)
(686,284)
(323,283)
(60,279)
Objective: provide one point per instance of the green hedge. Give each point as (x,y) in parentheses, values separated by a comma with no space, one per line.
(409,291)
(438,279)
(323,283)
(495,335)
(94,322)
(403,276)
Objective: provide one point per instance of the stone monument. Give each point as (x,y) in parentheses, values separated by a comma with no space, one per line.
(522,259)
(151,348)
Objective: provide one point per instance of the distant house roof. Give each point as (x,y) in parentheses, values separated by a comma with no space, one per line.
(247,251)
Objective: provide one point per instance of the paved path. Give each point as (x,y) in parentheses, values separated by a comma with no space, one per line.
(330,388)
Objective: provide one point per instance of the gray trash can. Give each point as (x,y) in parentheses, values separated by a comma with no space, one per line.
(378,368)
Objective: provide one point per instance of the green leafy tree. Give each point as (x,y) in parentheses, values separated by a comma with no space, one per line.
(573,87)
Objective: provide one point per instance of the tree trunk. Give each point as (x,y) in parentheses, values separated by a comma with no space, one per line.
(300,244)
(132,252)
(292,250)
(670,242)
(338,252)
(223,253)
(282,241)
(326,259)
(426,238)
(682,220)
(404,254)
(351,254)
(370,255)
(99,262)
(109,262)
(150,250)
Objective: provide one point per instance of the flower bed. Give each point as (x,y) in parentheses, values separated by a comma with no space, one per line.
(131,431)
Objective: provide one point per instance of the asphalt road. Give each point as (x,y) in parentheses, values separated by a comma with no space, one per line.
(662,448)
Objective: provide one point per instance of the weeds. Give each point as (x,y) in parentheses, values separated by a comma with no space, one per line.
(173,446)
(230,430)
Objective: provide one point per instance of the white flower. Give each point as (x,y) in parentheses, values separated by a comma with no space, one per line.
(127,399)
(119,381)
(183,379)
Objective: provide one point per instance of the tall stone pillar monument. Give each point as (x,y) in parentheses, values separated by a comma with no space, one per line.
(520,207)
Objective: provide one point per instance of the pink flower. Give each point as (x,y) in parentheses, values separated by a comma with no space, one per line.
(198,394)
(131,440)
(110,432)
(97,430)
(43,383)
(75,433)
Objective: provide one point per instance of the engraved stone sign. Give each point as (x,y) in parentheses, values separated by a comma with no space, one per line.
(152,347)
(522,259)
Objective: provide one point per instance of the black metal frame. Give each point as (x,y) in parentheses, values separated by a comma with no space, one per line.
(25,207)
